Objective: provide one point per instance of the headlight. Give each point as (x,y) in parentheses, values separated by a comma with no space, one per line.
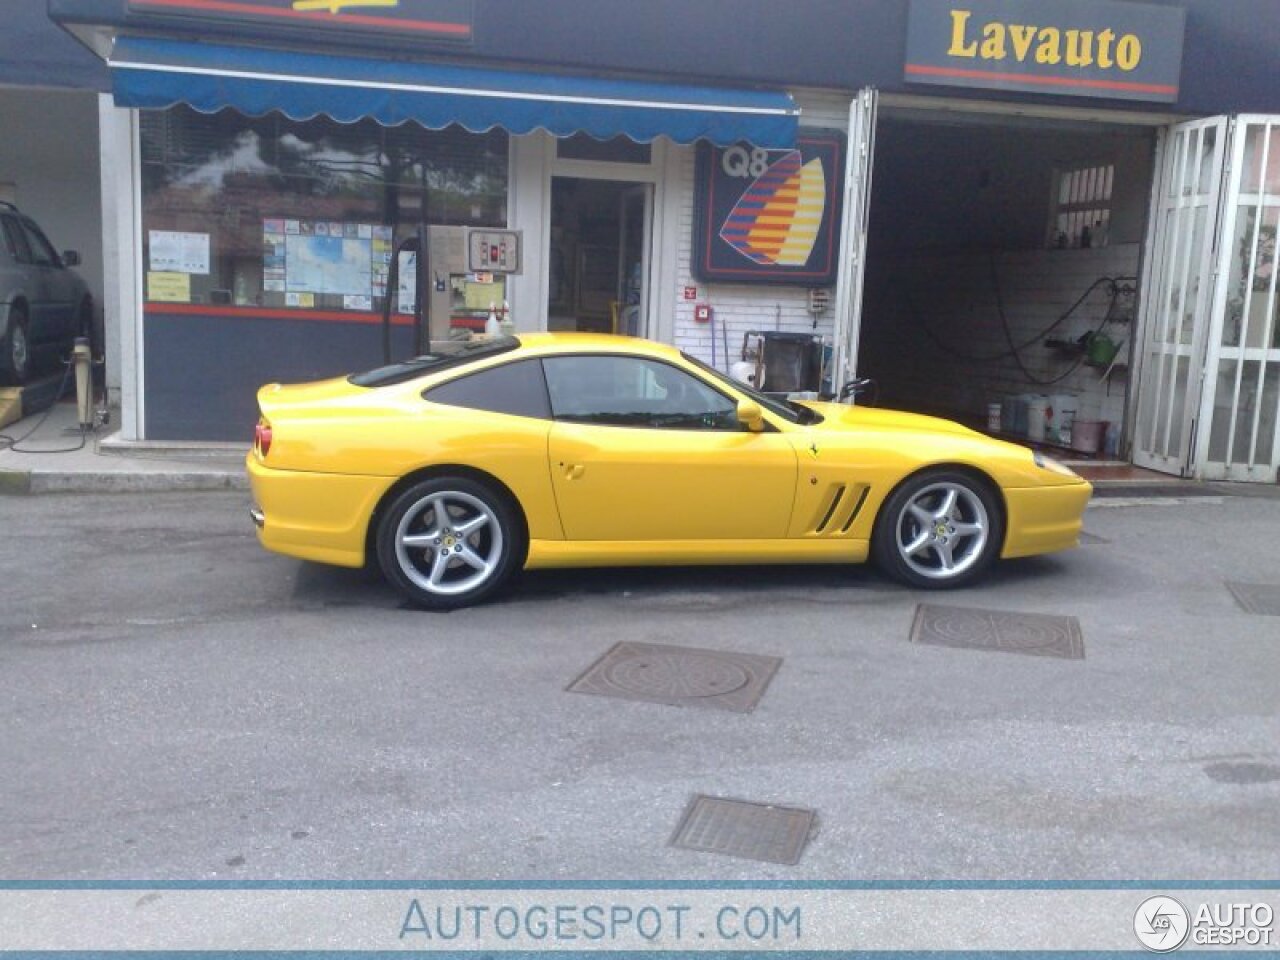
(1052,465)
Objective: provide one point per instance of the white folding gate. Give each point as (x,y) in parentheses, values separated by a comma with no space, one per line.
(859,159)
(1240,412)
(1178,292)
(1209,368)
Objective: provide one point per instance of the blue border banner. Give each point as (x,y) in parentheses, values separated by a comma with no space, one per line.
(634,920)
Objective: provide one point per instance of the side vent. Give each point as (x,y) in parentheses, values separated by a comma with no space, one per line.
(857,508)
(836,497)
(842,509)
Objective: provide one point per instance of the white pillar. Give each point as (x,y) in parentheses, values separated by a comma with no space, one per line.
(122,256)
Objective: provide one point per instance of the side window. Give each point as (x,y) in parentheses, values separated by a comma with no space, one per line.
(41,250)
(516,388)
(635,392)
(14,240)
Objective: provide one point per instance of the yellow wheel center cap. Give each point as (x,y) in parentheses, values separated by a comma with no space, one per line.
(449,541)
(940,529)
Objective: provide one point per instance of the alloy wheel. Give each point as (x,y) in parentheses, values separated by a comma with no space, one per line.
(448,543)
(942,531)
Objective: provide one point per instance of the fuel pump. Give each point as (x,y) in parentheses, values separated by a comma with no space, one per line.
(459,273)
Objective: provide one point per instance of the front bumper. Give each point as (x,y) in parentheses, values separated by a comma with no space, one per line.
(314,516)
(1044,519)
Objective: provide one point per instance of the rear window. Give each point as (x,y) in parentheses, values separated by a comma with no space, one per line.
(467,352)
(515,388)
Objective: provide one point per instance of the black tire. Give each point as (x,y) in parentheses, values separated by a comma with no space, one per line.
(456,561)
(17,347)
(938,530)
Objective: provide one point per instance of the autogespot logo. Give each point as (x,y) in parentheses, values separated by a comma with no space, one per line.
(1162,924)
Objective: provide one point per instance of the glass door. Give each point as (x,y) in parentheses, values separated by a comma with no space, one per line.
(1179,293)
(635,228)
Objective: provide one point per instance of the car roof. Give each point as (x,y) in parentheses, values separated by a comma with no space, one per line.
(573,342)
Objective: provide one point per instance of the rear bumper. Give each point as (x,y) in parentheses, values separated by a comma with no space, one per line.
(315,516)
(1044,519)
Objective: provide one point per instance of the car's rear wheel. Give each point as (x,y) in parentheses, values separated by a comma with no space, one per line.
(939,529)
(17,346)
(448,542)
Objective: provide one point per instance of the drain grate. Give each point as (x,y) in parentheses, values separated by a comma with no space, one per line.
(679,676)
(1260,598)
(1032,633)
(738,828)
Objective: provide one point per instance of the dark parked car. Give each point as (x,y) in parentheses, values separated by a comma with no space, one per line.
(44,305)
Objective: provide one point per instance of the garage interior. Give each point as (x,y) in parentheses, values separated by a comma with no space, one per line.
(1002,263)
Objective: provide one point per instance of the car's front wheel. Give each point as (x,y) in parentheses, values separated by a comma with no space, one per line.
(940,528)
(449,542)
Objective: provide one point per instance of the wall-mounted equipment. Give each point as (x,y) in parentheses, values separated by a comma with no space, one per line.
(467,270)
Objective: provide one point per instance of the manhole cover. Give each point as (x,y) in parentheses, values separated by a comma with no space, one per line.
(1259,598)
(659,673)
(1034,633)
(737,828)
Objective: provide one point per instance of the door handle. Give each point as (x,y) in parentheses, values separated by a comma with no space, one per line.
(572,471)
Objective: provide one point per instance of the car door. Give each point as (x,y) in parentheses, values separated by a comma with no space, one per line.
(58,286)
(644,450)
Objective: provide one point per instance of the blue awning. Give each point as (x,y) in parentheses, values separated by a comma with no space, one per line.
(152,73)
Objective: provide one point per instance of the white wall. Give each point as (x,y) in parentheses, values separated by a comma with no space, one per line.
(49,153)
(929,314)
(743,307)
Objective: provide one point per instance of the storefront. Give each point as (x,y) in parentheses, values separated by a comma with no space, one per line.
(927,188)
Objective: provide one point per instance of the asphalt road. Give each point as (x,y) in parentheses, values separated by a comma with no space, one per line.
(177,703)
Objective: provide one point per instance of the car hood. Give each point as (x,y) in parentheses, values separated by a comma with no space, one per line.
(840,416)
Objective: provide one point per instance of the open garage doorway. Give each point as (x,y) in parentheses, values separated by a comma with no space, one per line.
(1003,258)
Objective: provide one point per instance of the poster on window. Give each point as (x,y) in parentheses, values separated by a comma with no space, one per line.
(769,216)
(171,251)
(304,259)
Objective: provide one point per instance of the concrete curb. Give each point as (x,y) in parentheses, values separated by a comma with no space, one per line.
(23,482)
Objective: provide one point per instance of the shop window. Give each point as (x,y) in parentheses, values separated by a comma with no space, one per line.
(265,211)
(1082,207)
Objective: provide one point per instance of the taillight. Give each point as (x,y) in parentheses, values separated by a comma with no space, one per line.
(262,437)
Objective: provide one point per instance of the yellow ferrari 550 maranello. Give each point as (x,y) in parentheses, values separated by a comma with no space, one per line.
(457,469)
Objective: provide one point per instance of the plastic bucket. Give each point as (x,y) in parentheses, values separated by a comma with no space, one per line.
(1086,435)
(1062,414)
(1037,417)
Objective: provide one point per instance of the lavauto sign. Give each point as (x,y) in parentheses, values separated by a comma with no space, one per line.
(1087,48)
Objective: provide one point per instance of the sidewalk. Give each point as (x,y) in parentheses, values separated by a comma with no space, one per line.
(50,457)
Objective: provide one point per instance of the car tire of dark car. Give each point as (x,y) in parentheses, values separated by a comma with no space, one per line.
(449,541)
(17,348)
(940,528)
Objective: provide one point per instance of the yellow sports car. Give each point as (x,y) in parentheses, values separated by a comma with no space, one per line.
(457,469)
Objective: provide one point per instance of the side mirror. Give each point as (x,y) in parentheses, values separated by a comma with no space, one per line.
(750,414)
(70,258)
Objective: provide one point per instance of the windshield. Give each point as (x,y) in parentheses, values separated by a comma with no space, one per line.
(466,352)
(787,409)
